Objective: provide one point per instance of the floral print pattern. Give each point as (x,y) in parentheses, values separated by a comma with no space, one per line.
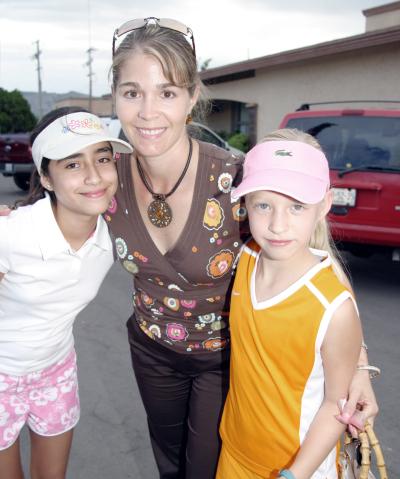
(188,303)
(131,267)
(213,215)
(220,264)
(176,332)
(46,400)
(225,182)
(239,212)
(122,249)
(207,318)
(179,296)
(214,344)
(172,303)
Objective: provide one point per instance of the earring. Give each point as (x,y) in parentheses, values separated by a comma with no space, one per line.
(49,187)
(189,119)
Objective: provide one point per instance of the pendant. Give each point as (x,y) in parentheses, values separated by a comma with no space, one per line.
(159,212)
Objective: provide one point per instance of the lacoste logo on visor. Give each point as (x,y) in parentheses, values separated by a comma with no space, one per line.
(283,153)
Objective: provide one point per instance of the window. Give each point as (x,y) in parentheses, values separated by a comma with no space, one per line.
(200,133)
(355,141)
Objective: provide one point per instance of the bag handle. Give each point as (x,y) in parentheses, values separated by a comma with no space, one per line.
(369,441)
(369,438)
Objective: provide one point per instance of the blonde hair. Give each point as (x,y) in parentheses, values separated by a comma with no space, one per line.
(321,238)
(174,54)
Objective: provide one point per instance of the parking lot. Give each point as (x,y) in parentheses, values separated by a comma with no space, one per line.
(111,439)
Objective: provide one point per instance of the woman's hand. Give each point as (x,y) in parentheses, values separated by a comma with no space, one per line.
(361,405)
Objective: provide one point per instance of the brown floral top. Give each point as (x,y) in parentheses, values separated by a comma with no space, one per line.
(181,298)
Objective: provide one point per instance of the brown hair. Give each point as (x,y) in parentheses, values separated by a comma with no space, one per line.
(174,53)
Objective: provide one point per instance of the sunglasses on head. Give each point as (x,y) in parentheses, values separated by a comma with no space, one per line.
(161,22)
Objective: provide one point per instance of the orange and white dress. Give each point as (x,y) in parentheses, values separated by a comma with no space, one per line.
(277,376)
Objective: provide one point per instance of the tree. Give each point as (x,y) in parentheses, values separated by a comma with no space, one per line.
(15,113)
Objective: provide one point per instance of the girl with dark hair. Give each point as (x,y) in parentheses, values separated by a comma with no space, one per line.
(36,189)
(55,251)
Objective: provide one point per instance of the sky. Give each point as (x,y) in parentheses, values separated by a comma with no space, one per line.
(227,31)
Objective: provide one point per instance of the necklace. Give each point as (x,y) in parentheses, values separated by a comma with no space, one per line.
(159,212)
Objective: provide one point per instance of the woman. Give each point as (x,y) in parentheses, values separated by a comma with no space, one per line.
(178,234)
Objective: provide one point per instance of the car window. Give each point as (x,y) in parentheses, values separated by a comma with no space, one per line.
(195,130)
(354,141)
(200,133)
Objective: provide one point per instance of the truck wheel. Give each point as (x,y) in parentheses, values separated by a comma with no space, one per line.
(22,180)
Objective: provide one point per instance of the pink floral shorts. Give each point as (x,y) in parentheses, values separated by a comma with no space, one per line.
(47,401)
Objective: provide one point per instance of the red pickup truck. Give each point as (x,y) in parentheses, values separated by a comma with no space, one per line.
(16,158)
(363,150)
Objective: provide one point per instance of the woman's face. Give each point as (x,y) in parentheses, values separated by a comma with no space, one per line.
(152,111)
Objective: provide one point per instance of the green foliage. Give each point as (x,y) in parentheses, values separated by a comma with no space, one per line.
(240,141)
(15,113)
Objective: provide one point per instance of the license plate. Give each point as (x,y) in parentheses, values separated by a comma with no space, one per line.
(344,196)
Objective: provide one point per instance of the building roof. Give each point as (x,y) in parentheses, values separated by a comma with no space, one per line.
(246,69)
(389,7)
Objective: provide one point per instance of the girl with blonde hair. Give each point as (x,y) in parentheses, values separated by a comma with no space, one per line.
(295,329)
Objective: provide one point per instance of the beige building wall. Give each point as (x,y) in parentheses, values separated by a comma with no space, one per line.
(100,106)
(384,16)
(383,20)
(221,120)
(368,74)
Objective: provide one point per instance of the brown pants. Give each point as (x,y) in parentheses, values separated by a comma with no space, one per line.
(183,395)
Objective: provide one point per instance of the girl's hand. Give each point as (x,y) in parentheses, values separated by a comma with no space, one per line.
(361,405)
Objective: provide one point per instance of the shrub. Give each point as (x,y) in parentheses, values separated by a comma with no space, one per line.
(240,141)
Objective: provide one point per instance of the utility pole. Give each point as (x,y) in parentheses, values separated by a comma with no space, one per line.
(36,57)
(89,51)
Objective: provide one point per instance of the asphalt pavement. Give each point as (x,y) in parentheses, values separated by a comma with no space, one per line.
(111,440)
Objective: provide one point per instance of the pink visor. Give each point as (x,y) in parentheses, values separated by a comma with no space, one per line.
(292,168)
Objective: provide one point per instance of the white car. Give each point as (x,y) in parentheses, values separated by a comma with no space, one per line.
(195,130)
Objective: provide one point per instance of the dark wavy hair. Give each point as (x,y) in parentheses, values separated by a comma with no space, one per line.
(36,191)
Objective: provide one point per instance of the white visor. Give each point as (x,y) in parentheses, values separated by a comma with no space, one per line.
(71,133)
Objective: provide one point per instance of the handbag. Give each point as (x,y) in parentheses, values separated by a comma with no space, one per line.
(355,456)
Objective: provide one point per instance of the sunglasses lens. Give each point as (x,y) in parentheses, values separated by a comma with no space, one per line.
(169,23)
(131,25)
(173,25)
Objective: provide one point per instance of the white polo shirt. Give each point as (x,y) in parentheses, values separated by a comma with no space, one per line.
(46,284)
